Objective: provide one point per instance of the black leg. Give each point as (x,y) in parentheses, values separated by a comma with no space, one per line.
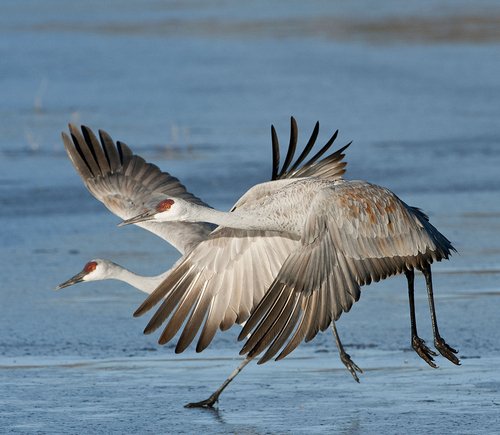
(344,357)
(439,343)
(417,343)
(215,397)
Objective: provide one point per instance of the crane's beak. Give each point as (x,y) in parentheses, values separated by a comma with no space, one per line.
(149,215)
(76,279)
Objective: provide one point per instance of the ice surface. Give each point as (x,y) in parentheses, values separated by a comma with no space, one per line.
(194,87)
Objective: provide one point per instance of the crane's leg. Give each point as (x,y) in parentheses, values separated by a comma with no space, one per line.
(439,343)
(215,397)
(416,342)
(344,357)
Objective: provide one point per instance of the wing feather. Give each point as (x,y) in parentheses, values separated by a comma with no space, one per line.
(79,164)
(195,320)
(233,280)
(218,308)
(97,151)
(285,330)
(125,152)
(354,233)
(301,330)
(185,306)
(85,152)
(234,268)
(128,186)
(110,150)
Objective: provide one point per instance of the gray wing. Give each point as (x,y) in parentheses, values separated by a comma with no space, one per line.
(128,186)
(220,282)
(226,276)
(355,233)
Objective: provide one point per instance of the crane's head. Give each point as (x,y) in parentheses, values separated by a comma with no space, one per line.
(94,270)
(166,211)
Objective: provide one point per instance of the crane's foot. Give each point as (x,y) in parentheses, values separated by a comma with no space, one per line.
(346,359)
(445,350)
(209,403)
(423,351)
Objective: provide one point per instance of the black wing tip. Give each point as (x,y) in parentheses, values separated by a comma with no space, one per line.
(103,135)
(292,146)
(341,150)
(276,153)
(74,131)
(287,171)
(87,133)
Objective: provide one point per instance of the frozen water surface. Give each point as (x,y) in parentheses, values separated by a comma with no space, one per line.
(194,88)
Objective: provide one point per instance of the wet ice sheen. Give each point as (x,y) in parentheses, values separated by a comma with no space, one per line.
(423,116)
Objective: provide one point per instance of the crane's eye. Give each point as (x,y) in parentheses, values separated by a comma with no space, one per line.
(165,205)
(90,267)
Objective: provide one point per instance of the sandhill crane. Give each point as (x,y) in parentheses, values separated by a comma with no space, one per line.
(100,269)
(345,234)
(126,184)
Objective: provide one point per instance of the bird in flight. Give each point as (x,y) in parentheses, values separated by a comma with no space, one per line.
(340,235)
(128,185)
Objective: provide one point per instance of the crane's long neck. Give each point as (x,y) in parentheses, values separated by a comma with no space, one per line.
(144,283)
(266,219)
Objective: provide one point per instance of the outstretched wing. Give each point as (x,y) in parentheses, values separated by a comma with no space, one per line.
(355,233)
(220,282)
(226,276)
(128,186)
